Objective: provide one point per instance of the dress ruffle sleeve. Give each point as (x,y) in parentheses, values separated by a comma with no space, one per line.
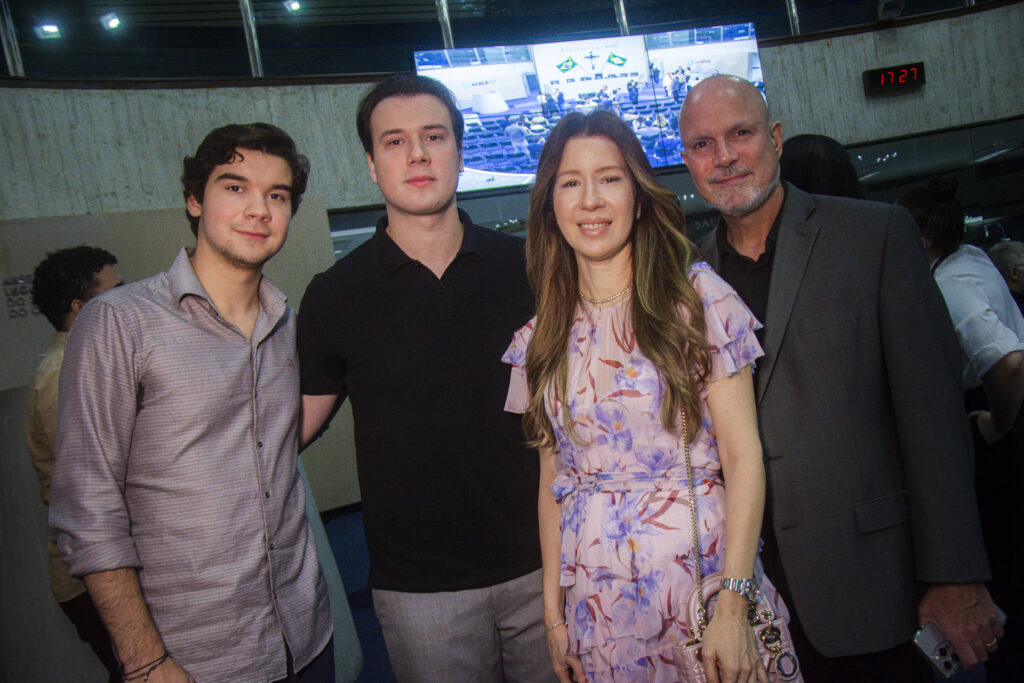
(730,324)
(515,355)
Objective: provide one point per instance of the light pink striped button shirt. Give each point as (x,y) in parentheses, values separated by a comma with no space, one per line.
(176,454)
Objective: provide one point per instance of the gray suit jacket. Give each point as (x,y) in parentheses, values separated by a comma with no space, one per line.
(867,448)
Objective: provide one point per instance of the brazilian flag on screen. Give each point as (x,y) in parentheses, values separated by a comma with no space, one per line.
(616,60)
(567,65)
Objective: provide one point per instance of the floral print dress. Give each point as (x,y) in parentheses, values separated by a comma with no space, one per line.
(627,561)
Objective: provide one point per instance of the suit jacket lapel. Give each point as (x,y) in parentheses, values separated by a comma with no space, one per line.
(708,246)
(797,233)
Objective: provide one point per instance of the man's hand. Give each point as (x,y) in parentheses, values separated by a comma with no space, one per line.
(965,613)
(118,599)
(169,672)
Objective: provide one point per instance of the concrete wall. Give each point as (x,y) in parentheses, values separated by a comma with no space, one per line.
(90,151)
(974,68)
(69,152)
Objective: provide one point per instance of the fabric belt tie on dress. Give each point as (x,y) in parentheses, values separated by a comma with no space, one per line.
(573,491)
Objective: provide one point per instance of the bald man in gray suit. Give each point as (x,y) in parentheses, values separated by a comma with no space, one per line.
(871,522)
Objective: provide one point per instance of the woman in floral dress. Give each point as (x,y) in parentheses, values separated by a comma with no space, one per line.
(633,331)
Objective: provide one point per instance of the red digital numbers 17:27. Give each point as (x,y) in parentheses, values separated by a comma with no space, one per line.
(905,75)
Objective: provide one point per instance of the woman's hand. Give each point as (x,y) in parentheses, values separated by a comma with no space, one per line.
(730,652)
(567,668)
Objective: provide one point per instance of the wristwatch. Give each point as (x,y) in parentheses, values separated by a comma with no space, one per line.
(748,588)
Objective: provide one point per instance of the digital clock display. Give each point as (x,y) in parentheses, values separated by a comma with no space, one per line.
(894,78)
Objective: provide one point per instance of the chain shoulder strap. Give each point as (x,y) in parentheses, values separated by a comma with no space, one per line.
(702,613)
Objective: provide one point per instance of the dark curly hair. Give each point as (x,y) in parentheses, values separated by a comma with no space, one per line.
(66,275)
(221,146)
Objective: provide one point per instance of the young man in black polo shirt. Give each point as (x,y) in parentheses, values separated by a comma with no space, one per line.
(411,327)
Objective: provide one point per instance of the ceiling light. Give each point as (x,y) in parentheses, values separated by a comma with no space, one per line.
(110,21)
(47,31)
(292,5)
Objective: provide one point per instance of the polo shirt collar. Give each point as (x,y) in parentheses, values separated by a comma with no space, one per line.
(393,256)
(182,281)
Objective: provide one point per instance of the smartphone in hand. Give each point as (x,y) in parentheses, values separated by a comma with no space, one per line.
(936,648)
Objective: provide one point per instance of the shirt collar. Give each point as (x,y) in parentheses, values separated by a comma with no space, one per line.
(724,248)
(393,256)
(60,340)
(182,281)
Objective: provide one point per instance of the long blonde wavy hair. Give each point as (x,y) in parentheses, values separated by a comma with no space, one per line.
(672,340)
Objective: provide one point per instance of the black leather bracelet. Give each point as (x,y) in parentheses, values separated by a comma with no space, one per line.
(144,670)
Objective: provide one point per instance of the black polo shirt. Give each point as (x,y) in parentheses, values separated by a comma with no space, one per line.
(449,491)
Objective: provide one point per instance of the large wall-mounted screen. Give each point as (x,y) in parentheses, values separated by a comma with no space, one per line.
(511,96)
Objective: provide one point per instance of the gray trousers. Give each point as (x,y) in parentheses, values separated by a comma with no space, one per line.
(467,636)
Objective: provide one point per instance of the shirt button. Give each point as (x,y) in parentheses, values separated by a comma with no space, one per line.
(266,494)
(260,444)
(271,546)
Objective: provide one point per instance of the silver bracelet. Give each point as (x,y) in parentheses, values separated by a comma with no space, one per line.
(555,625)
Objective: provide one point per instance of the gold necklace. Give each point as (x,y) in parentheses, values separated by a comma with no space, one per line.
(613,297)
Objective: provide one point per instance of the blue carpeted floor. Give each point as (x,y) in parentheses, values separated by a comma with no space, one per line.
(344,528)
